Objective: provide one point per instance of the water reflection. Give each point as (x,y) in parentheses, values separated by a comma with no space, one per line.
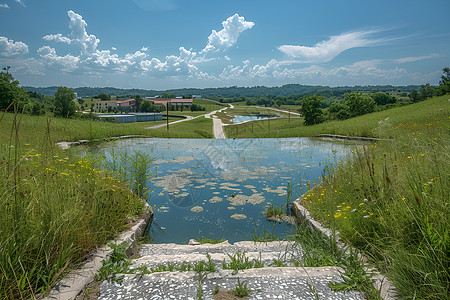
(220,188)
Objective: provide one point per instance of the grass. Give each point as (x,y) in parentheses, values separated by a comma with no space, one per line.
(321,251)
(370,125)
(207,240)
(238,261)
(274,211)
(391,198)
(55,207)
(241,290)
(196,128)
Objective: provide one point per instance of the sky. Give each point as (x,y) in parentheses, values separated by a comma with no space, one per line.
(165,44)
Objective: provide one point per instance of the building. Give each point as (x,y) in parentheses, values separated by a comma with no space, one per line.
(127,105)
(175,102)
(104,106)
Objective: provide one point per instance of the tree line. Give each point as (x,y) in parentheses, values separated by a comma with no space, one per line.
(356,103)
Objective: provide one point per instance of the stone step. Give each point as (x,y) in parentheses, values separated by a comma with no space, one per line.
(224,247)
(266,258)
(266,253)
(267,283)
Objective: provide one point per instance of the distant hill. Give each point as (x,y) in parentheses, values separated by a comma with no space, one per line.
(228,92)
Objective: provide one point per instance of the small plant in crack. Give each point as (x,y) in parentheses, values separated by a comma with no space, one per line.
(241,289)
(278,263)
(216,290)
(239,261)
(117,263)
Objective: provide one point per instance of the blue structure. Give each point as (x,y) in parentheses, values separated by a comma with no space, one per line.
(134,117)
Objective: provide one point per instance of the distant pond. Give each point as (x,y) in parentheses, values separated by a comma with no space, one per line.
(220,188)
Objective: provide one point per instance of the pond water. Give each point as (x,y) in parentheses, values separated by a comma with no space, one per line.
(239,118)
(219,188)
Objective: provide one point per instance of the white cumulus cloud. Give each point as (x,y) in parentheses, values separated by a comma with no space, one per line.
(20,2)
(325,51)
(11,48)
(4,5)
(67,62)
(227,37)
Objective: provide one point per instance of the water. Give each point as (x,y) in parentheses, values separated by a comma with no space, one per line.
(240,119)
(204,187)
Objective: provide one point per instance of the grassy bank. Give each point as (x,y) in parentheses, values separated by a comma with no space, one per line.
(197,128)
(33,127)
(391,199)
(56,208)
(371,125)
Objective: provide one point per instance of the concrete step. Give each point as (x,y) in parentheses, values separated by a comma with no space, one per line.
(266,253)
(267,283)
(224,247)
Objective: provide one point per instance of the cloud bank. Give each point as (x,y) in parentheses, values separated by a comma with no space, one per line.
(11,48)
(326,51)
(91,57)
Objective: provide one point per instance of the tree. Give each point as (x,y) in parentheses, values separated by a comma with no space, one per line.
(444,84)
(445,78)
(147,106)
(103,97)
(64,104)
(138,100)
(427,91)
(358,104)
(167,96)
(11,92)
(311,110)
(414,96)
(383,98)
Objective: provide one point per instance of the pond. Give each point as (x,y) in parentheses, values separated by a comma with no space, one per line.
(240,118)
(220,188)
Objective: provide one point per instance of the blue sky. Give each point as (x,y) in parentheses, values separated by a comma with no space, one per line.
(163,44)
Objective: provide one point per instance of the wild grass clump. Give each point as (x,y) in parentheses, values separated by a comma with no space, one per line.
(55,209)
(320,251)
(391,199)
(209,240)
(274,210)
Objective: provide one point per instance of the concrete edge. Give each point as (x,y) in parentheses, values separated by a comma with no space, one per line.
(380,282)
(345,137)
(76,281)
(64,145)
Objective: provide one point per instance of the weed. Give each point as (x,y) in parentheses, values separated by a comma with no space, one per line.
(207,240)
(117,263)
(288,198)
(239,261)
(274,211)
(263,235)
(216,290)
(278,263)
(241,289)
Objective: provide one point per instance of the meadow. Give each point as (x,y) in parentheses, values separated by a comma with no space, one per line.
(390,199)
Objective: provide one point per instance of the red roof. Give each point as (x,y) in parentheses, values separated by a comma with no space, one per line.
(164,101)
(128,100)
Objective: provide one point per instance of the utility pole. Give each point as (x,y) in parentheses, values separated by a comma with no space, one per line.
(167,114)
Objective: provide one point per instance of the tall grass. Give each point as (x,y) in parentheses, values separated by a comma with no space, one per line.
(55,208)
(391,199)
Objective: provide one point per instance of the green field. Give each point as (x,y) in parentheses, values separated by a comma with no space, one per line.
(377,124)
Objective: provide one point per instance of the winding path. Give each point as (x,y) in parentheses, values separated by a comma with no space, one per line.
(218,129)
(280,110)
